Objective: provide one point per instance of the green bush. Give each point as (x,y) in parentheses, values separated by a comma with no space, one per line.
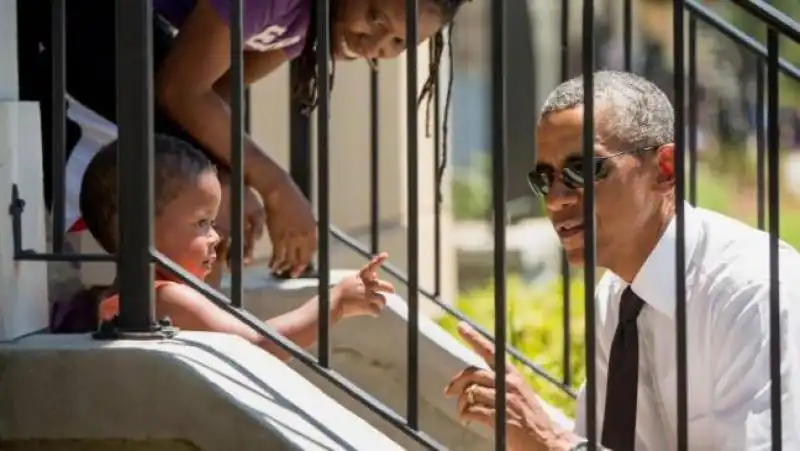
(535,328)
(790,227)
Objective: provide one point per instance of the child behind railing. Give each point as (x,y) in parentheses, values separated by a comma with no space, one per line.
(187,200)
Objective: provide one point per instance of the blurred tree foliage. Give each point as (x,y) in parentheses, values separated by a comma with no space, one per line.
(472,190)
(789,50)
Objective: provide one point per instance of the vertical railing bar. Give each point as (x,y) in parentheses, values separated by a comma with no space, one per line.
(761,153)
(323,183)
(773,188)
(300,158)
(680,195)
(587,46)
(248,109)
(374,152)
(499,159)
(564,40)
(627,34)
(135,164)
(692,113)
(565,270)
(412,33)
(237,158)
(566,369)
(437,184)
(299,138)
(59,137)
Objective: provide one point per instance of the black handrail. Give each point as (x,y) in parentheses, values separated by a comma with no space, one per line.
(708,16)
(777,20)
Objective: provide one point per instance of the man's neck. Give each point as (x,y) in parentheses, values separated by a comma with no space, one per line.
(637,249)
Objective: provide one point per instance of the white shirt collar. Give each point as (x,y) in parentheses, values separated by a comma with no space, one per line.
(655,281)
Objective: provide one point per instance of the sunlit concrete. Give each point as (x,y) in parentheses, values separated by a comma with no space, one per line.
(372,352)
(215,391)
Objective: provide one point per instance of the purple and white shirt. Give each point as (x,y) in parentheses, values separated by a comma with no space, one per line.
(267,24)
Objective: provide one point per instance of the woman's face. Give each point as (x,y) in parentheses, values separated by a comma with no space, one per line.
(377,28)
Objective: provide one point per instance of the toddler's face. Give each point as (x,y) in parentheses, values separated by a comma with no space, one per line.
(184,230)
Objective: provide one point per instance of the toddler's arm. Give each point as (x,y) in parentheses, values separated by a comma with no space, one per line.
(190,310)
(359,294)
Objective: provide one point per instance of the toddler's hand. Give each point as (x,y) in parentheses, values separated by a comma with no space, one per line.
(360,294)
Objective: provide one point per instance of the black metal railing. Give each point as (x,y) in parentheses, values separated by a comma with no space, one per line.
(135,119)
(499,162)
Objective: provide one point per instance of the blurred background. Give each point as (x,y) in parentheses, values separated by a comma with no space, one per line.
(726,147)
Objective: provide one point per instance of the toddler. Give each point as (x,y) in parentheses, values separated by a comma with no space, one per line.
(187,201)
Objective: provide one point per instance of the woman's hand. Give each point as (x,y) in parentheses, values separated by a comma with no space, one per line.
(528,427)
(292,228)
(214,278)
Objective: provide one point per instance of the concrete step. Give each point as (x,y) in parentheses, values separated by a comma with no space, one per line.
(372,353)
(199,390)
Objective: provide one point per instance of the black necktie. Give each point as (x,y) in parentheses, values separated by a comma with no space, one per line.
(619,423)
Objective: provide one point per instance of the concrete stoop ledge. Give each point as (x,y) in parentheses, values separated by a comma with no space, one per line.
(197,391)
(372,353)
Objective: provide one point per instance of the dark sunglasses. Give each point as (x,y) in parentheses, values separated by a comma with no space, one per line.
(543,176)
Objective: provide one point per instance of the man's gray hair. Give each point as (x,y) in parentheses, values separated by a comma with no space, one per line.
(630,110)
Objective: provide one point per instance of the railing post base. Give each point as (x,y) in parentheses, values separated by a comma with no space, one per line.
(109,330)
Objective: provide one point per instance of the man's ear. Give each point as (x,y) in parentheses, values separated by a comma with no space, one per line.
(665,165)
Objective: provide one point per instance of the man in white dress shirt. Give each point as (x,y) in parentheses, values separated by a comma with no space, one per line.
(727,293)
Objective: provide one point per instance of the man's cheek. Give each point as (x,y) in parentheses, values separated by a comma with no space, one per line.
(603,213)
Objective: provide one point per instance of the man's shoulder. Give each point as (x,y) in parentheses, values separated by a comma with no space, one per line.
(731,248)
(734,258)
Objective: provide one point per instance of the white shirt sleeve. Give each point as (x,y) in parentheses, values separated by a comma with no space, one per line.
(740,416)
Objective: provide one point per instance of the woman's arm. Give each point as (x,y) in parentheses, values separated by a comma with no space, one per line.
(199,58)
(257,65)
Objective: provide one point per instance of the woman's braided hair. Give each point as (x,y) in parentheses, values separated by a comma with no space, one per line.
(306,91)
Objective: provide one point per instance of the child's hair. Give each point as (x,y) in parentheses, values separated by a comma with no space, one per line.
(306,90)
(175,163)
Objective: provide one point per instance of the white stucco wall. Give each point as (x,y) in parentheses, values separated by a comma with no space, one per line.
(23,303)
